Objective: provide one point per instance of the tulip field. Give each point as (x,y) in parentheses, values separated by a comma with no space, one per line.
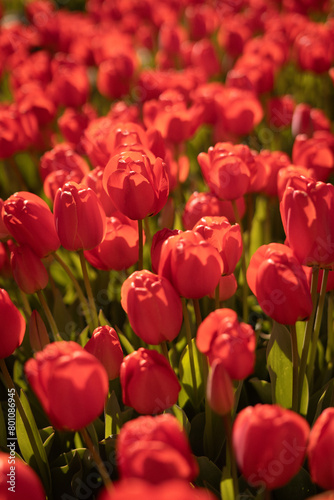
(167,249)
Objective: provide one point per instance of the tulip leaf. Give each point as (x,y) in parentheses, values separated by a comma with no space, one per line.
(209,475)
(226,486)
(127,346)
(299,488)
(113,418)
(30,442)
(279,360)
(324,398)
(181,417)
(196,394)
(47,435)
(263,389)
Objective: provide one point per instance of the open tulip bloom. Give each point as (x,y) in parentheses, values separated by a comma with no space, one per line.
(167,250)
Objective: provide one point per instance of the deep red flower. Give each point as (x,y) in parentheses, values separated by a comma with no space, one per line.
(321,445)
(28,270)
(25,482)
(13,322)
(315,154)
(104,344)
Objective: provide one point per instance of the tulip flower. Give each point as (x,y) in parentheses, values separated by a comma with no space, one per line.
(79,217)
(12,326)
(289,300)
(155,449)
(219,389)
(28,270)
(38,334)
(4,233)
(153,306)
(225,238)
(181,255)
(70,383)
(137,187)
(320,450)
(104,344)
(308,223)
(157,241)
(19,480)
(149,385)
(270,444)
(221,336)
(137,489)
(315,154)
(30,221)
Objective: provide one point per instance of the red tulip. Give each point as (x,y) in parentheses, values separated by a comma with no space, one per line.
(219,389)
(289,300)
(38,334)
(155,449)
(70,383)
(93,180)
(153,307)
(12,327)
(137,187)
(308,223)
(149,385)
(180,255)
(19,480)
(270,444)
(104,344)
(79,217)
(315,154)
(157,241)
(30,221)
(137,489)
(4,233)
(28,270)
(221,336)
(320,450)
(227,287)
(225,238)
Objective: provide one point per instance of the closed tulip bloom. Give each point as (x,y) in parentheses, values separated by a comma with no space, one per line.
(279,283)
(38,334)
(79,217)
(181,255)
(137,185)
(155,449)
(270,444)
(307,216)
(224,237)
(157,241)
(219,389)
(70,383)
(149,385)
(153,306)
(25,483)
(104,344)
(4,233)
(320,450)
(12,326)
(137,489)
(30,221)
(221,336)
(28,270)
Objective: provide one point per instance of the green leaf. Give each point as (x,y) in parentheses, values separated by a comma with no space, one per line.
(299,488)
(127,346)
(196,394)
(102,319)
(113,418)
(325,399)
(31,444)
(181,417)
(263,389)
(47,435)
(279,359)
(226,487)
(209,475)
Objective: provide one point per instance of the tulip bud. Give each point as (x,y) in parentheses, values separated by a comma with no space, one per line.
(79,217)
(11,321)
(104,344)
(38,334)
(320,450)
(24,484)
(219,389)
(155,449)
(149,385)
(28,269)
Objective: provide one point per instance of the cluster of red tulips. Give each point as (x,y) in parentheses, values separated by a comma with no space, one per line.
(167,249)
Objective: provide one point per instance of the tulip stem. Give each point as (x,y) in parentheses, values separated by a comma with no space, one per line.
(243,264)
(330,329)
(164,349)
(97,459)
(217,297)
(82,298)
(295,366)
(190,345)
(48,314)
(308,333)
(141,245)
(89,291)
(230,456)
(320,310)
(197,310)
(208,429)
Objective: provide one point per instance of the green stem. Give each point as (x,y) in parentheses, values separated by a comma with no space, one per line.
(308,333)
(198,314)
(330,329)
(164,350)
(97,459)
(295,363)
(26,305)
(48,314)
(217,300)
(243,264)
(148,232)
(141,245)
(314,345)
(89,292)
(190,345)
(82,298)
(230,456)
(208,429)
